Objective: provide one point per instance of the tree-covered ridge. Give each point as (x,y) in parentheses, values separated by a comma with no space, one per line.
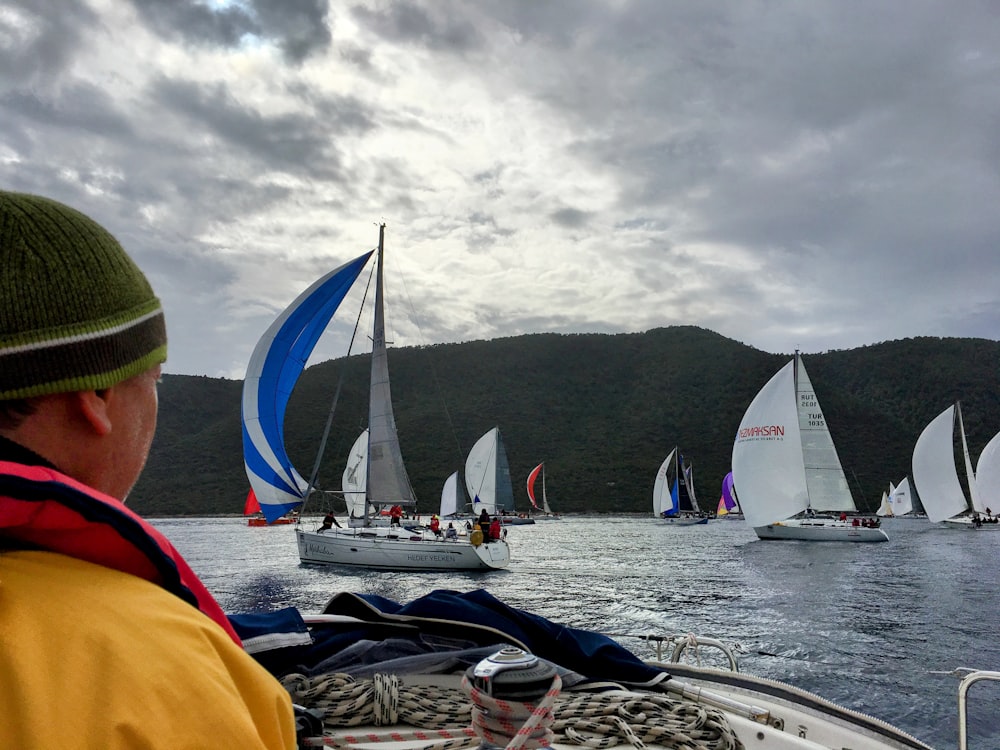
(601,410)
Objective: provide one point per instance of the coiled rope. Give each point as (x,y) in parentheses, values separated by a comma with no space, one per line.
(450,719)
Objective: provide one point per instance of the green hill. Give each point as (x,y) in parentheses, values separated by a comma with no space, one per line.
(601,410)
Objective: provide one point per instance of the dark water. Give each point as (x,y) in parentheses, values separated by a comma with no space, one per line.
(864,625)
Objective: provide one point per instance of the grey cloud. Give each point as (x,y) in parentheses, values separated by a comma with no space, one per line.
(194,22)
(570,217)
(433,26)
(286,141)
(298,27)
(41,37)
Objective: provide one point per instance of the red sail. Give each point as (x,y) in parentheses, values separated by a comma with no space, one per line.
(252,506)
(531,483)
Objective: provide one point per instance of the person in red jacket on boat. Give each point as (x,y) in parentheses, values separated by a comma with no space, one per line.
(97,608)
(435,525)
(395,515)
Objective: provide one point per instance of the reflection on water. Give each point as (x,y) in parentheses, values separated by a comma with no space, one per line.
(861,624)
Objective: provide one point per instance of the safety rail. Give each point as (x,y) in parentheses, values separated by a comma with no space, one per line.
(681,643)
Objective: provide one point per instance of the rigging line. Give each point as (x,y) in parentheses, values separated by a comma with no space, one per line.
(430,366)
(336,398)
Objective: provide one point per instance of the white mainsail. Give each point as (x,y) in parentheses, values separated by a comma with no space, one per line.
(988,474)
(450,496)
(662,498)
(481,473)
(975,500)
(545,497)
(487,475)
(934,470)
(827,485)
(355,477)
(387,483)
(900,500)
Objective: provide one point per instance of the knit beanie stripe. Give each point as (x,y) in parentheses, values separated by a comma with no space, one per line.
(89,361)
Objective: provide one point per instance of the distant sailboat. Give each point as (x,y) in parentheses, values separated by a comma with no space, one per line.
(546,511)
(451,499)
(354,481)
(251,509)
(674,500)
(487,480)
(936,475)
(787,470)
(729,505)
(900,499)
(988,475)
(885,504)
(274,368)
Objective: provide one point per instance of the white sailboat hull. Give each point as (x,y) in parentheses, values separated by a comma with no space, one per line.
(391,549)
(355,522)
(966,522)
(820,530)
(516,520)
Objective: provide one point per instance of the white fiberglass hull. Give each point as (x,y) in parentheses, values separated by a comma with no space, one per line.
(390,549)
(820,530)
(356,523)
(516,521)
(966,522)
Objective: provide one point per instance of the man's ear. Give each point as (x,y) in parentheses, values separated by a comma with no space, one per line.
(95,408)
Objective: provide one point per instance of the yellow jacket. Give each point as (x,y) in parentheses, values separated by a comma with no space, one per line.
(92,657)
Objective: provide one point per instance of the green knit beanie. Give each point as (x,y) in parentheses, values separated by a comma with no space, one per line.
(76,313)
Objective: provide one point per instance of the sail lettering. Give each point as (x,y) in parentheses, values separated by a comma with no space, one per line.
(758,431)
(815,419)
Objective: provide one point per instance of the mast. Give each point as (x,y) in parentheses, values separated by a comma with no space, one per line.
(387,483)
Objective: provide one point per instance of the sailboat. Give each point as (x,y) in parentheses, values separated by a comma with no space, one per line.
(353,483)
(673,493)
(729,506)
(487,479)
(254,516)
(900,499)
(546,511)
(885,504)
(988,473)
(790,480)
(936,475)
(274,368)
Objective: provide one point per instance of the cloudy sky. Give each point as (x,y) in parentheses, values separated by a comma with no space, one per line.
(816,175)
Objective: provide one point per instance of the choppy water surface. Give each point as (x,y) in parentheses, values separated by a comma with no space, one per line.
(864,625)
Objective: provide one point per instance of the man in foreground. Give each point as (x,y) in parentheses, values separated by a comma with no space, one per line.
(107,638)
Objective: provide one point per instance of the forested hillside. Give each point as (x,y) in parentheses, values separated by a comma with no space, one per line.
(601,410)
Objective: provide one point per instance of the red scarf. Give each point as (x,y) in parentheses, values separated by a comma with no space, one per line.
(40,508)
